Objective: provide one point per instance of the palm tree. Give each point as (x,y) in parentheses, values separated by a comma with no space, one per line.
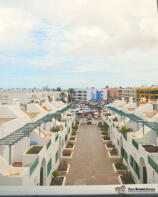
(62,96)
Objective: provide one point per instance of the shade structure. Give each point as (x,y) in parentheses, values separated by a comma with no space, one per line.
(19,134)
(135,118)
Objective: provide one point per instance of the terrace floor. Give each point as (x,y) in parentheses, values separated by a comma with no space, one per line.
(90,164)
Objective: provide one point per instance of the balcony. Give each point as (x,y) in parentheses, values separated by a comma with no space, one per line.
(34,150)
(150,148)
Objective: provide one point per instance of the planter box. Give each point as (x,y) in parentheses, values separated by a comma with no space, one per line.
(72,140)
(74,135)
(64,173)
(106,141)
(67,157)
(113,156)
(63,183)
(70,148)
(118,171)
(121,182)
(108,148)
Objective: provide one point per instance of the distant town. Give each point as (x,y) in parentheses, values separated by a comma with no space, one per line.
(24,95)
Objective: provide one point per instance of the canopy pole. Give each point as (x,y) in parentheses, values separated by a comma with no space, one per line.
(10,154)
(143,128)
(44,125)
(137,125)
(39,130)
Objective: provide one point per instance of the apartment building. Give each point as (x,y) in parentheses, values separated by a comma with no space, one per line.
(71,96)
(138,145)
(29,150)
(89,94)
(115,93)
(129,93)
(26,95)
(149,93)
(80,94)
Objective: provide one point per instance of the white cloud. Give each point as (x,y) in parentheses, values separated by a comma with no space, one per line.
(118,36)
(15,28)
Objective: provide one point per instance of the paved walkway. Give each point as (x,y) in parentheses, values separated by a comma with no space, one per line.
(90,164)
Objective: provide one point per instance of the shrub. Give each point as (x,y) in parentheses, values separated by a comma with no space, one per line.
(77,122)
(72,138)
(124,129)
(127,177)
(63,166)
(105,125)
(106,137)
(75,127)
(69,145)
(110,145)
(104,133)
(34,150)
(55,173)
(55,129)
(119,165)
(66,152)
(100,124)
(114,151)
(73,132)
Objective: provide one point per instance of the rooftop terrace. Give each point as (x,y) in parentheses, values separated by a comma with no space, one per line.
(4,120)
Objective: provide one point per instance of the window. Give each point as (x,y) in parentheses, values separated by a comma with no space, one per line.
(56,156)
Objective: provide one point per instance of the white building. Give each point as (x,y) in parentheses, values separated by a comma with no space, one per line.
(26,95)
(130,93)
(138,147)
(90,94)
(29,151)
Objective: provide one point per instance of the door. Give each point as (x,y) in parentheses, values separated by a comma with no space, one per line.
(144,175)
(41,176)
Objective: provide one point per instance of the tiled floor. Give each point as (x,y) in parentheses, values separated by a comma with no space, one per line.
(90,164)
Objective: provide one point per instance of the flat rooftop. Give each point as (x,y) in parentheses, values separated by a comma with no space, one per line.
(3,120)
(150,114)
(32,114)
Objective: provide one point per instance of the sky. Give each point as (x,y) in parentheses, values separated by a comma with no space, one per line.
(78,43)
